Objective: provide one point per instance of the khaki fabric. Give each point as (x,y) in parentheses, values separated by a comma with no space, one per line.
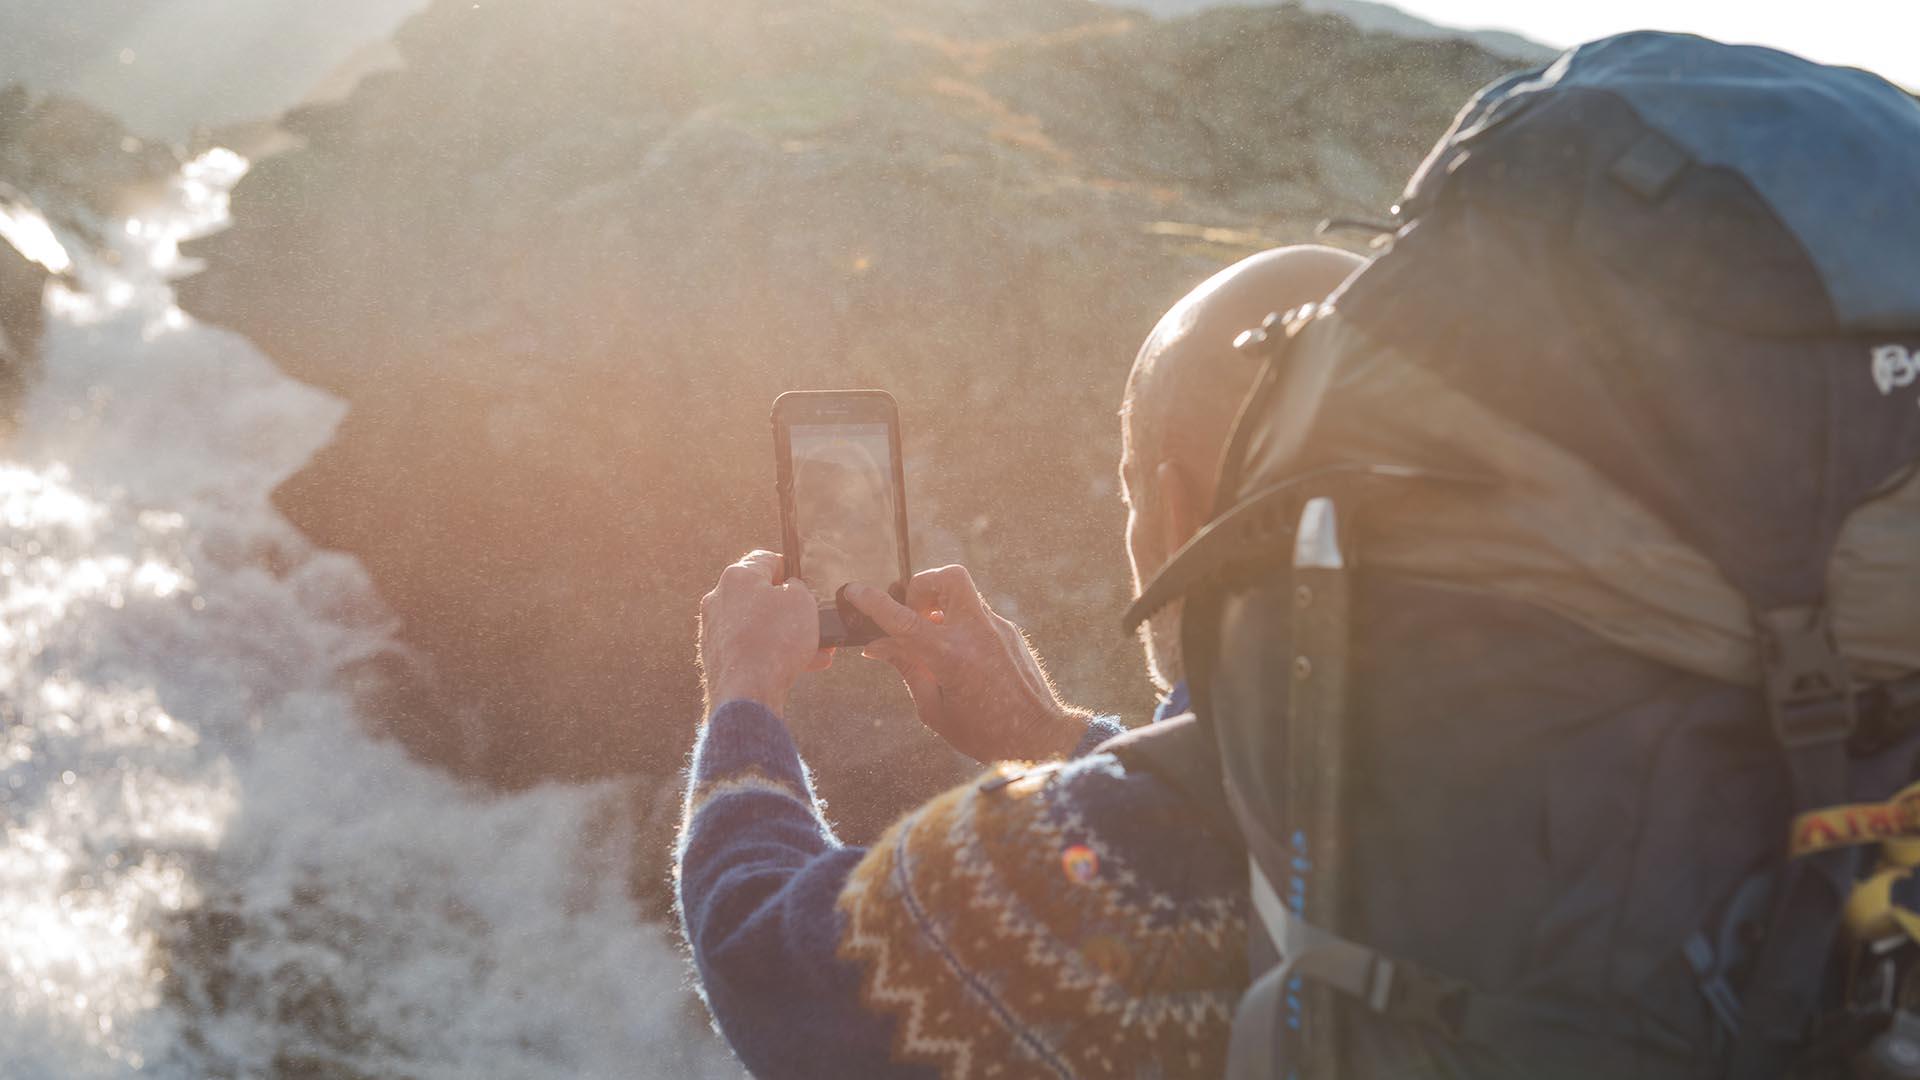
(1552,531)
(1875,579)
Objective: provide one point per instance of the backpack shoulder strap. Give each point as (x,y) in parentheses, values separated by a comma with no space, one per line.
(1180,753)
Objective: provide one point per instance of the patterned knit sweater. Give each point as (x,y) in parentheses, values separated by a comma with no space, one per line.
(1063,921)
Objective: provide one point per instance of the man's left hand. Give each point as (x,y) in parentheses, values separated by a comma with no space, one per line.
(974,679)
(758,634)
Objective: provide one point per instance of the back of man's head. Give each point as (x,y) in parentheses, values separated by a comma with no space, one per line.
(1186,386)
(1188,380)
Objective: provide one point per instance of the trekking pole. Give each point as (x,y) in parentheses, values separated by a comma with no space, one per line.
(1316,748)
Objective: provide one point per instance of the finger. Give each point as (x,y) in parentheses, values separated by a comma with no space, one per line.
(925,691)
(768,564)
(822,660)
(921,595)
(922,686)
(894,619)
(887,651)
(949,589)
(743,575)
(897,651)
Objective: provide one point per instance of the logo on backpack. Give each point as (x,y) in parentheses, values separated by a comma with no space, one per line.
(1894,366)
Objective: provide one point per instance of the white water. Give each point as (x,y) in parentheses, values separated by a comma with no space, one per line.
(208,869)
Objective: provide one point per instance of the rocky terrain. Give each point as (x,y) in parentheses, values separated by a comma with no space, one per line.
(22,284)
(1369,16)
(64,167)
(561,264)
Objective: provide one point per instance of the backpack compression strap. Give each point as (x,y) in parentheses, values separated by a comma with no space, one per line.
(1181,753)
(1813,711)
(1816,712)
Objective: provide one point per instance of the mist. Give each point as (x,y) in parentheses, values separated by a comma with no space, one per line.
(166,67)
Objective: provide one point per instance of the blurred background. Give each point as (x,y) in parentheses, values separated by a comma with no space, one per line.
(385,380)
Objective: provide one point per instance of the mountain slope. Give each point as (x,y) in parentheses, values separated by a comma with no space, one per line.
(563,262)
(1372,17)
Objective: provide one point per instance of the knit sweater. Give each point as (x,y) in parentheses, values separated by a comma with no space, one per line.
(1074,920)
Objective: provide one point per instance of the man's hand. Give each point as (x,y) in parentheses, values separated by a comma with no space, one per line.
(974,679)
(757,634)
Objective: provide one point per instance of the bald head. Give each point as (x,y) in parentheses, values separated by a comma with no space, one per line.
(1188,379)
(1187,384)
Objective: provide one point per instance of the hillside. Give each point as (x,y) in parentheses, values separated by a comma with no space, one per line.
(1369,16)
(561,264)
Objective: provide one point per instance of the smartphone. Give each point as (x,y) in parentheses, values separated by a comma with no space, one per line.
(843,501)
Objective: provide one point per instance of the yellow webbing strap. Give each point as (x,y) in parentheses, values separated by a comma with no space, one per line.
(1861,823)
(1871,911)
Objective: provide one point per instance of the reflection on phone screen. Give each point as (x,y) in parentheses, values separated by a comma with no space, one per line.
(843,506)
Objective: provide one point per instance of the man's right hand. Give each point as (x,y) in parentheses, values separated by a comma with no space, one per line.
(758,633)
(974,679)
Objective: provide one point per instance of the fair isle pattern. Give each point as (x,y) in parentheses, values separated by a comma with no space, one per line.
(994,963)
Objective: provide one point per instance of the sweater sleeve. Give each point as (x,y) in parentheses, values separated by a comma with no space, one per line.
(1061,920)
(1099,730)
(1072,920)
(758,873)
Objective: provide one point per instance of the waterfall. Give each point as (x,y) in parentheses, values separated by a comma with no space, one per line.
(209,868)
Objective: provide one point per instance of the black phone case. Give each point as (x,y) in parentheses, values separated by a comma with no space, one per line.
(841,625)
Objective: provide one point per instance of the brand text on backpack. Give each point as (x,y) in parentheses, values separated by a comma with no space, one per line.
(1894,366)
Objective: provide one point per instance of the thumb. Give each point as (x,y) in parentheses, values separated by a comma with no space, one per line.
(894,619)
(928,700)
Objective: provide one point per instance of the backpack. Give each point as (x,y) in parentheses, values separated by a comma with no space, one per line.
(1555,643)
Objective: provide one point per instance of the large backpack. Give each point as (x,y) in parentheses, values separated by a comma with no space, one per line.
(1559,622)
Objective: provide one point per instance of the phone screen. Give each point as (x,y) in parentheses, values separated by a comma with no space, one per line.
(843,506)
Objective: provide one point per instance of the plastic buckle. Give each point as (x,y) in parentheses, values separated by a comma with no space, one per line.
(1889,712)
(1415,995)
(1810,698)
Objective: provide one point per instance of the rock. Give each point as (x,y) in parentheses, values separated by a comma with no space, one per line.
(561,264)
(22,285)
(71,155)
(69,166)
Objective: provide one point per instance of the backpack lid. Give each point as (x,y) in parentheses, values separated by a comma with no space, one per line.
(1834,152)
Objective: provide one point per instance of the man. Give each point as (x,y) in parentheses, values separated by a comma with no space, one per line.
(1071,920)
(1182,395)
